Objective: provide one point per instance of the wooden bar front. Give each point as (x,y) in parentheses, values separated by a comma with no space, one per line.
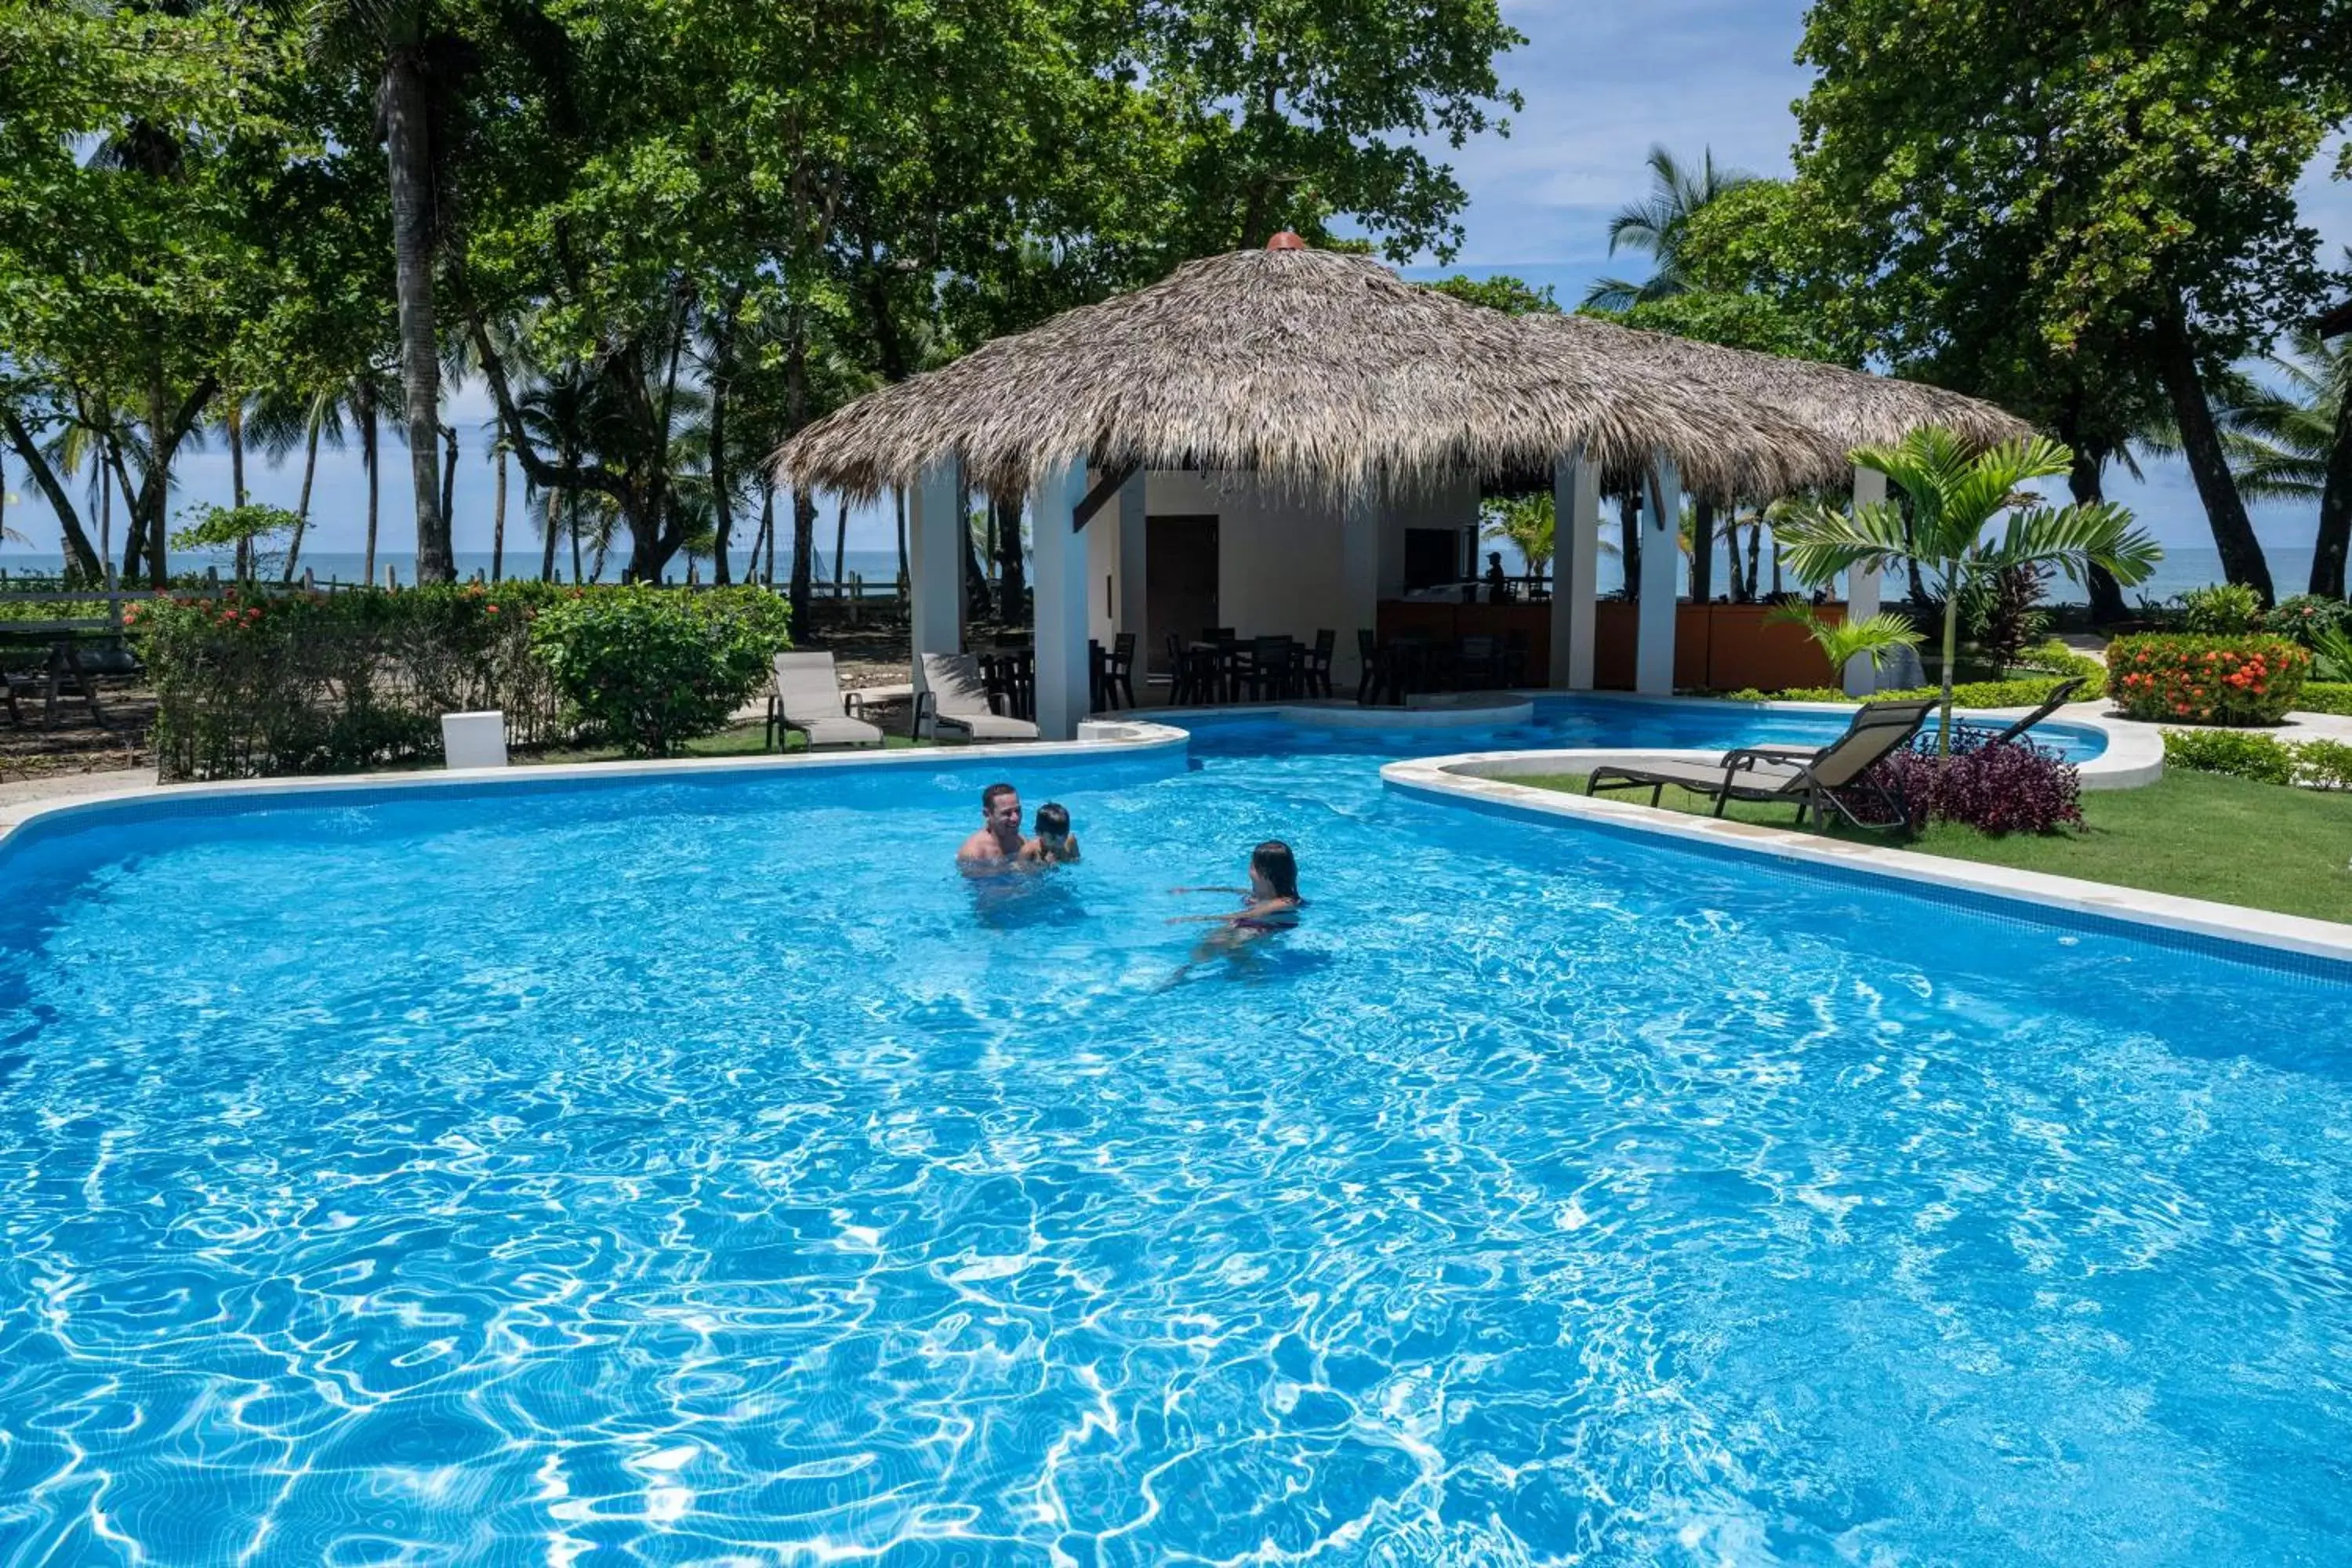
(1718,648)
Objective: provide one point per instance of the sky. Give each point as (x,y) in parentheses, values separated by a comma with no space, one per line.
(1604,79)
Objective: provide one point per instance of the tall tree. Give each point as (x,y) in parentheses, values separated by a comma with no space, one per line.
(415,66)
(2113,180)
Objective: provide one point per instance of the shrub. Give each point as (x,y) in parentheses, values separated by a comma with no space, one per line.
(648,667)
(2326,697)
(2205,679)
(1998,611)
(2323,764)
(252,685)
(2225,609)
(1993,789)
(2265,759)
(2307,616)
(2064,662)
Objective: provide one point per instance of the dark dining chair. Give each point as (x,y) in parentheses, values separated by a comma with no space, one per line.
(1274,668)
(1316,673)
(1372,680)
(1479,662)
(1118,671)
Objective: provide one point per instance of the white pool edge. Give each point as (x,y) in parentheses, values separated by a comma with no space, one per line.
(1104,740)
(1485,778)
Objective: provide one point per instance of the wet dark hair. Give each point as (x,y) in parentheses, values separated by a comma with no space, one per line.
(988,796)
(1054,818)
(1279,866)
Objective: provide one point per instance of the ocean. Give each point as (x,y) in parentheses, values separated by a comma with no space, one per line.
(2183,567)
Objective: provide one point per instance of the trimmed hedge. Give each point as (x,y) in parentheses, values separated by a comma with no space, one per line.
(256,686)
(2265,759)
(648,667)
(2192,680)
(2326,697)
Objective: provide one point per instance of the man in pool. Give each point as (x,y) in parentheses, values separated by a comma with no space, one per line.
(996,847)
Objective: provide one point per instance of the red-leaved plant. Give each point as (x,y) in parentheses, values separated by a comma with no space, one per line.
(2012,788)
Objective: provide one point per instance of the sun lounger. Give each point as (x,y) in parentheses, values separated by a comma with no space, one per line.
(1815,782)
(1978,729)
(955,699)
(806,697)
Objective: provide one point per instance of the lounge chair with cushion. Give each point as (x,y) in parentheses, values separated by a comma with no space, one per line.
(1815,782)
(955,699)
(807,698)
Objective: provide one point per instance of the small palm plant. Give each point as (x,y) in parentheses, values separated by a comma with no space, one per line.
(1954,497)
(1873,636)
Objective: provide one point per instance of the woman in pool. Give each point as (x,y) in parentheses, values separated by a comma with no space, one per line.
(1269,904)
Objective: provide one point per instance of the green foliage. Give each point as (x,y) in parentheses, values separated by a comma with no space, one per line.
(2326,697)
(2199,679)
(648,667)
(226,527)
(2261,758)
(1756,322)
(2225,609)
(1524,523)
(1512,296)
(2265,759)
(1954,494)
(252,686)
(2305,615)
(2060,659)
(1999,613)
(2029,693)
(1873,636)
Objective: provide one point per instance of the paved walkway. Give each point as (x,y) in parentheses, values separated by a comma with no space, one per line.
(18,796)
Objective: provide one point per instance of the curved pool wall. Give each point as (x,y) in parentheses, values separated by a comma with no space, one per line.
(708,1174)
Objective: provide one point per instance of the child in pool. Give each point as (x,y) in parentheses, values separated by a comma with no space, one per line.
(1269,904)
(1055,845)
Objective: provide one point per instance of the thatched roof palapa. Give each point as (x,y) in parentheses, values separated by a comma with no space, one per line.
(1843,408)
(1321,372)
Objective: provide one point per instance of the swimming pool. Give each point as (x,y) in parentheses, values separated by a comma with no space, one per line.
(695,1170)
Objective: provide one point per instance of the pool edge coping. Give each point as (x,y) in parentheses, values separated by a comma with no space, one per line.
(1457,780)
(1138,737)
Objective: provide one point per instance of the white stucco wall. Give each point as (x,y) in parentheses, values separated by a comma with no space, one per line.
(1281,559)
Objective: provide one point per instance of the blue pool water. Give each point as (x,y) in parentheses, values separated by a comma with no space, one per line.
(699,1172)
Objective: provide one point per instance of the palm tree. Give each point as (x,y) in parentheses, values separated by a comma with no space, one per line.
(1656,227)
(1955,495)
(1872,637)
(1527,525)
(395,41)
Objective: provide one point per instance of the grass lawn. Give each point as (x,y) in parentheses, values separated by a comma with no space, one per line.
(2201,835)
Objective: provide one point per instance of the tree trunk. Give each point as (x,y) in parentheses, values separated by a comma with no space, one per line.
(722,499)
(2086,483)
(840,546)
(899,499)
(78,550)
(409,155)
(1012,574)
(1702,551)
(803,545)
(244,568)
(551,521)
(1754,553)
(572,520)
(498,520)
(768,524)
(449,490)
(2201,443)
(303,506)
(2335,508)
(369,454)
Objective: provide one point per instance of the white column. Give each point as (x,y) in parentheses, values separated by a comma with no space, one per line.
(1361,518)
(1861,587)
(1653,646)
(1134,588)
(934,567)
(1575,562)
(1059,565)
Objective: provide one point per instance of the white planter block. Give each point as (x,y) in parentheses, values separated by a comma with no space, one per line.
(475,739)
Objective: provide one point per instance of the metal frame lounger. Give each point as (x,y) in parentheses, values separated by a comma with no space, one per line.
(955,696)
(1812,782)
(806,695)
(2060,695)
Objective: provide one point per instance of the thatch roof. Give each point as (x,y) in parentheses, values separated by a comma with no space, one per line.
(1320,372)
(1843,408)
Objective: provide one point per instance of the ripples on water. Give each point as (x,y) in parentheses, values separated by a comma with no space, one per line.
(677,1175)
